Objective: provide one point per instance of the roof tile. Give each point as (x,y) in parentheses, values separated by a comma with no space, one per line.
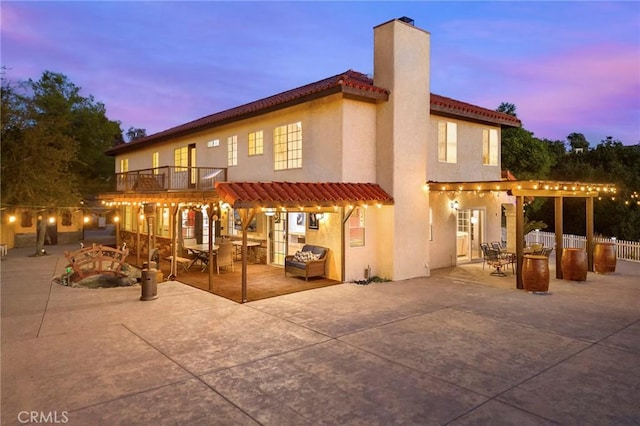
(300,194)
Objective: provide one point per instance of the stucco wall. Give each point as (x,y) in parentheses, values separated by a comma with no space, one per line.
(469,165)
(321,140)
(359,142)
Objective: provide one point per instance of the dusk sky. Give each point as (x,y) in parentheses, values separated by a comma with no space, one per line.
(567,66)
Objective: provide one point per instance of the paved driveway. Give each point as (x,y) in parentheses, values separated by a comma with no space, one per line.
(455,348)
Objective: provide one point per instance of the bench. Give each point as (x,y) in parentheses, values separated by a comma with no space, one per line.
(298,265)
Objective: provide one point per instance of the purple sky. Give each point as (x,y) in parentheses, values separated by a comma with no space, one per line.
(568,67)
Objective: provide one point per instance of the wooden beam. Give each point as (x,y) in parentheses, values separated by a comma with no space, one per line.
(246,216)
(558,226)
(519,240)
(589,210)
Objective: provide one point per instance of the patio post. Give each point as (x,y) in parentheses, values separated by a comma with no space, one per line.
(559,242)
(589,233)
(212,218)
(519,240)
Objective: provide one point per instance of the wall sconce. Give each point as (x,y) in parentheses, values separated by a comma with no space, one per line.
(116,219)
(52,220)
(319,216)
(12,218)
(86,219)
(454,205)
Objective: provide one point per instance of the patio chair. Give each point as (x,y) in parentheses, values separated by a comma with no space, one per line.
(536,248)
(497,261)
(546,251)
(224,257)
(496,245)
(484,247)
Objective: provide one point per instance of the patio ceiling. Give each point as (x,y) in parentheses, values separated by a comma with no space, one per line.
(300,194)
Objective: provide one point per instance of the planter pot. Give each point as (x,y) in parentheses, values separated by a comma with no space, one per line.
(604,258)
(574,264)
(535,272)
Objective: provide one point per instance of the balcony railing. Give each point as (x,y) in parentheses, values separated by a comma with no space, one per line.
(170,178)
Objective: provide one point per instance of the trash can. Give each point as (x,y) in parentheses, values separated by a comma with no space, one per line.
(149,284)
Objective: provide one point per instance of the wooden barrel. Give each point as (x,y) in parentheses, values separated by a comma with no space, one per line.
(604,258)
(574,264)
(535,272)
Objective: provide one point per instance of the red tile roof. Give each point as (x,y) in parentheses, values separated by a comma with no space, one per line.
(451,107)
(350,83)
(300,194)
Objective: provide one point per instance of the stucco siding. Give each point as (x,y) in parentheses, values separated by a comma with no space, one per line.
(468,166)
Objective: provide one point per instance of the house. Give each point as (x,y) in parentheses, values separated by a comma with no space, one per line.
(351,155)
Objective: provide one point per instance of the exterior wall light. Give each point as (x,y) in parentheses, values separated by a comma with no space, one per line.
(12,219)
(454,205)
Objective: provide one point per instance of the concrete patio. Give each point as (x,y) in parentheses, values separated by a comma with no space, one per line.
(460,347)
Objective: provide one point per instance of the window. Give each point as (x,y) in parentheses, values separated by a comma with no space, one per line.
(127,223)
(287,146)
(356,227)
(124,165)
(26,220)
(181,159)
(162,222)
(213,143)
(490,147)
(447,141)
(232,151)
(255,143)
(66,218)
(155,162)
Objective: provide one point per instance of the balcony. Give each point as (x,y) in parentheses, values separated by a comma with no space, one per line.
(169,178)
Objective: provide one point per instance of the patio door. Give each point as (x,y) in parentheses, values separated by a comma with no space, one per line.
(469,235)
(277,238)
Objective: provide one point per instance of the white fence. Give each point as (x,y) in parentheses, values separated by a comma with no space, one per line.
(627,250)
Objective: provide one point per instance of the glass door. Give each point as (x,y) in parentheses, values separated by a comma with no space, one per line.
(469,235)
(277,238)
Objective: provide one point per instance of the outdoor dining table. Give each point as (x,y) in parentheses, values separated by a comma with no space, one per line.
(251,245)
(201,253)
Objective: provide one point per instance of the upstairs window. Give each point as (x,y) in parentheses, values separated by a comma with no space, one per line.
(447,142)
(287,146)
(124,165)
(155,162)
(232,151)
(181,159)
(255,143)
(490,147)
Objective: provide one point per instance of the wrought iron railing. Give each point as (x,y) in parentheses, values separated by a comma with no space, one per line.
(170,178)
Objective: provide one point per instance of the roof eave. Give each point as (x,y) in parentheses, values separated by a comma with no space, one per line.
(474,117)
(347,91)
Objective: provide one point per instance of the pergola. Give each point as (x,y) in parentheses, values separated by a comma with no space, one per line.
(254,197)
(251,198)
(521,189)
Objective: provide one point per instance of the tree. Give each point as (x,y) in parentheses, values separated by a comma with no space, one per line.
(524,155)
(578,142)
(53,143)
(134,133)
(507,108)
